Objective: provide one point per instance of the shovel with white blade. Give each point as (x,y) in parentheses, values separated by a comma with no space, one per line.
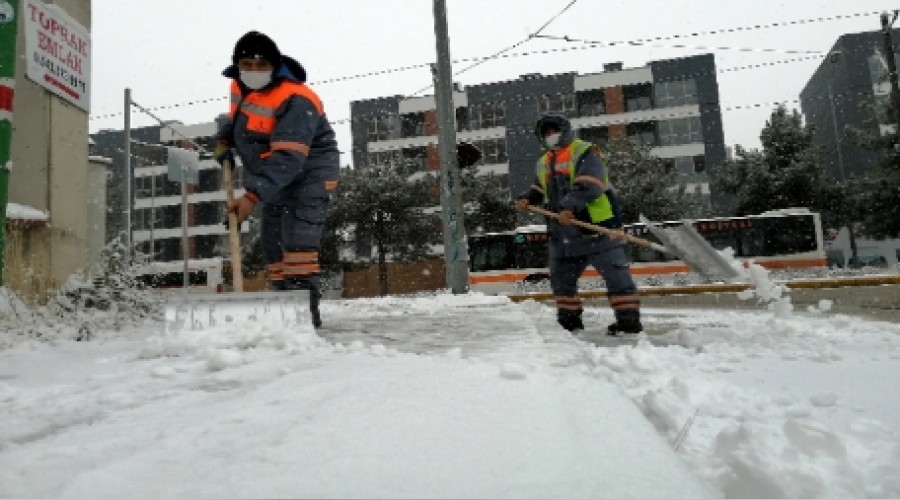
(682,241)
(192,312)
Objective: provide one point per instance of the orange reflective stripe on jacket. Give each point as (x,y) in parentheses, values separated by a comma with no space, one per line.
(300,264)
(260,106)
(289,146)
(561,163)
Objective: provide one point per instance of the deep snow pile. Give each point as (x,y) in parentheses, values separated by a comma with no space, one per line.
(463,396)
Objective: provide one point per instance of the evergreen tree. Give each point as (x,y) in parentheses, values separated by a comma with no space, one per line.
(488,204)
(379,206)
(646,184)
(786,173)
(874,198)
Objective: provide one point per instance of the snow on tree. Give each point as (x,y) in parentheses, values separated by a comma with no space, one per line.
(646,184)
(786,173)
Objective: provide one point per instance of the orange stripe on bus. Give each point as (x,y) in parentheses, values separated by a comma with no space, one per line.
(497,278)
(649,269)
(781,264)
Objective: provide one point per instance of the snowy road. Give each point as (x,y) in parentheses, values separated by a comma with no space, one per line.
(461,396)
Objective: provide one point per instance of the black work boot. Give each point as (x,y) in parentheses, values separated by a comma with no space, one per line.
(625,326)
(316,317)
(570,320)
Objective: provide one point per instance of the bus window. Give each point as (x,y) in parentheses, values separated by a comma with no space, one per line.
(490,252)
(787,235)
(644,254)
(751,243)
(531,251)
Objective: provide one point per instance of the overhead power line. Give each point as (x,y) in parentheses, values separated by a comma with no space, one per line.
(754,27)
(587,45)
(596,43)
(507,49)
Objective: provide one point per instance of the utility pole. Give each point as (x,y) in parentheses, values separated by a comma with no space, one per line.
(887,22)
(128,177)
(9,10)
(456,253)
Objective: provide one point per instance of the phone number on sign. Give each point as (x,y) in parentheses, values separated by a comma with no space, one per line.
(60,72)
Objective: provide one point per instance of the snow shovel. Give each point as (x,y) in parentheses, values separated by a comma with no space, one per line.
(192,312)
(683,242)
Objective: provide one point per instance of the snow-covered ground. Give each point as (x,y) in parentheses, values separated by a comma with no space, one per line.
(460,396)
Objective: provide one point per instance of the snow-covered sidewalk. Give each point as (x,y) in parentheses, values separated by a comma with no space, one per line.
(460,396)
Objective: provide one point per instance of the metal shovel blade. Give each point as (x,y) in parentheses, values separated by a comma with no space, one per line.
(685,242)
(194,312)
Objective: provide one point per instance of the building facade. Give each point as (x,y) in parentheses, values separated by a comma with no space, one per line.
(50,168)
(156,214)
(850,89)
(671,105)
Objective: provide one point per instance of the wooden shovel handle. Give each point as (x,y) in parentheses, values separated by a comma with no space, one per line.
(234,229)
(615,234)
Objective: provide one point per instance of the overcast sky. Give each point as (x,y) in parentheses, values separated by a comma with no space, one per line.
(172,52)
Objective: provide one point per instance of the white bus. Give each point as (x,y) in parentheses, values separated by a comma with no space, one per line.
(503,262)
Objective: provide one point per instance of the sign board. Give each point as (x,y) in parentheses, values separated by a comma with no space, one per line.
(183,162)
(57,52)
(7,13)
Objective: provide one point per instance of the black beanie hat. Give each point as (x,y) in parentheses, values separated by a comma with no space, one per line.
(256,44)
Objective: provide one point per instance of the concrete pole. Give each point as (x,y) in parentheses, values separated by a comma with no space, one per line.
(456,254)
(184,229)
(128,177)
(9,19)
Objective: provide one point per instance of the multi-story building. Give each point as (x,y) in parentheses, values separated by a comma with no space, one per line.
(850,89)
(671,105)
(156,217)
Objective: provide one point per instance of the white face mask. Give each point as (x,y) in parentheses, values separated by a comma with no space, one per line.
(552,140)
(256,80)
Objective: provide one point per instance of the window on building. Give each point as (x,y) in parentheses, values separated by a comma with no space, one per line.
(142,219)
(169,216)
(392,158)
(209,245)
(167,249)
(638,97)
(142,187)
(412,125)
(493,151)
(462,119)
(642,133)
(148,155)
(557,103)
(680,131)
(209,180)
(209,213)
(675,93)
(487,115)
(414,159)
(158,185)
(684,165)
(162,186)
(380,128)
(699,164)
(144,248)
(595,135)
(591,102)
